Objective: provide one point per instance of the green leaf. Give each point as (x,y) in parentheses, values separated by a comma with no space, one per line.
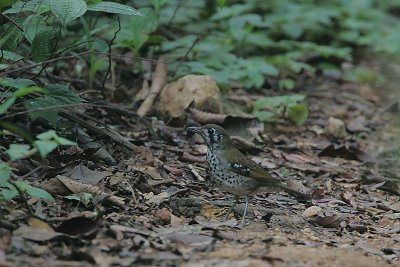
(43,45)
(9,193)
(158,3)
(28,90)
(52,135)
(5,173)
(45,147)
(55,95)
(33,191)
(10,37)
(276,101)
(31,5)
(7,104)
(39,193)
(47,136)
(293,30)
(16,83)
(112,7)
(5,3)
(297,113)
(286,84)
(33,25)
(265,116)
(10,55)
(62,94)
(64,141)
(68,10)
(17,151)
(82,197)
(221,3)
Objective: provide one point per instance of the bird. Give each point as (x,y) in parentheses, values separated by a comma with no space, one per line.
(232,170)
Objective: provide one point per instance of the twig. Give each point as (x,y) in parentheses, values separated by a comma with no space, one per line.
(160,78)
(12,21)
(185,56)
(31,172)
(178,6)
(108,132)
(74,56)
(24,200)
(125,111)
(109,56)
(196,173)
(41,109)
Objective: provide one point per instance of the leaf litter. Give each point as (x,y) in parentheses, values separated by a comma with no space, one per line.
(154,204)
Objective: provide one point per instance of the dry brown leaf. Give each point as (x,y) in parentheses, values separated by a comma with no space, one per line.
(36,234)
(149,170)
(204,117)
(77,187)
(39,224)
(311,211)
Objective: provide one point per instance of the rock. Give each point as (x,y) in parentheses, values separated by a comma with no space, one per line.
(335,128)
(178,95)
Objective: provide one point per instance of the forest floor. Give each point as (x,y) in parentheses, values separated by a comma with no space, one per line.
(156,207)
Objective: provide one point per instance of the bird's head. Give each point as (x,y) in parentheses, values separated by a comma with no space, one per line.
(215,136)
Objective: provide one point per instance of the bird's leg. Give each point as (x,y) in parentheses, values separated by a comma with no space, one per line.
(232,207)
(246,198)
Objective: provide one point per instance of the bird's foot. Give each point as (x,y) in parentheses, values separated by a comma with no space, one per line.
(241,225)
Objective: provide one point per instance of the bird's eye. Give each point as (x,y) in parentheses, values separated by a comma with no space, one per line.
(211,131)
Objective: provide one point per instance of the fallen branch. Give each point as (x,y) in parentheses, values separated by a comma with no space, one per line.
(159,80)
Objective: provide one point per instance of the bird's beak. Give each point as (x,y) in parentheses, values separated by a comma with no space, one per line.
(193,130)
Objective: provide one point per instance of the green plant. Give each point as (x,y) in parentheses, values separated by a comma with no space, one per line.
(365,76)
(44,102)
(10,187)
(36,30)
(34,35)
(272,108)
(277,37)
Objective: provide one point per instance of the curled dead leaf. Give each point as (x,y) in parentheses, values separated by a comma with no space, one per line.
(65,186)
(204,117)
(311,211)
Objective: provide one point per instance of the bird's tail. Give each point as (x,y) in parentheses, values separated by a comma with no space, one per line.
(301,192)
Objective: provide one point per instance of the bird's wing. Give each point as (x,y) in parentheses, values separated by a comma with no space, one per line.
(242,165)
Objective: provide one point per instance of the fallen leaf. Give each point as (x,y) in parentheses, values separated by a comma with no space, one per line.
(77,226)
(84,174)
(311,211)
(36,234)
(156,199)
(163,215)
(350,153)
(149,170)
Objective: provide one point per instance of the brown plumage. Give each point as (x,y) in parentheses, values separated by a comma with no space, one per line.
(232,170)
